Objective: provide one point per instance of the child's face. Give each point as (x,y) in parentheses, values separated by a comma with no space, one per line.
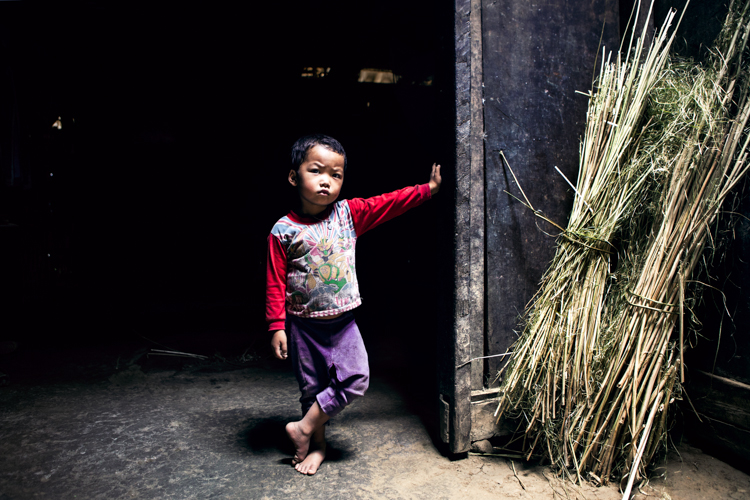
(318,179)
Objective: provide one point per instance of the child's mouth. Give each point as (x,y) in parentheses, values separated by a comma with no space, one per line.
(323,192)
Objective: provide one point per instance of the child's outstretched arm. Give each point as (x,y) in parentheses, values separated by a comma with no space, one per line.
(435,179)
(278,343)
(368,213)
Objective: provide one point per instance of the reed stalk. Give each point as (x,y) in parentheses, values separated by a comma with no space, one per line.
(598,362)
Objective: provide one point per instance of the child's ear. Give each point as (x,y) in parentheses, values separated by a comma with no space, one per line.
(293,178)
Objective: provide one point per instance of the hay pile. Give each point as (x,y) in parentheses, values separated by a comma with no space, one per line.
(599,360)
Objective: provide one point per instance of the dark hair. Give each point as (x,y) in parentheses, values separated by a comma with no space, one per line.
(306,143)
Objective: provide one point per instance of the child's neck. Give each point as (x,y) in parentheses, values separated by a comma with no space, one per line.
(314,211)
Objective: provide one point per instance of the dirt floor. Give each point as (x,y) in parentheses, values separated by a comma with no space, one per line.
(141,426)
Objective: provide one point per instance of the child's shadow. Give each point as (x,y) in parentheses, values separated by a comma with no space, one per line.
(263,436)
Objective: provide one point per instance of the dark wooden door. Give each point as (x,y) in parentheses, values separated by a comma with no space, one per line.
(518,67)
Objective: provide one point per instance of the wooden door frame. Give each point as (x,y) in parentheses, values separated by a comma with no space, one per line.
(469,273)
(536,136)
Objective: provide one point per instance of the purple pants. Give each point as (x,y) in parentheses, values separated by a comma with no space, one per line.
(330,361)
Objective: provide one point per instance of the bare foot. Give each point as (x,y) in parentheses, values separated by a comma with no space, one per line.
(300,440)
(300,433)
(311,463)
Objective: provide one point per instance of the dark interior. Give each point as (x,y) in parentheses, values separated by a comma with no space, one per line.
(145,215)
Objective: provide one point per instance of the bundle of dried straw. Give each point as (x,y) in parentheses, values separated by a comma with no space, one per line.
(599,359)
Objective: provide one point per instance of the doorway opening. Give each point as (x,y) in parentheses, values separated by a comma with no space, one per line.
(176,128)
(378,77)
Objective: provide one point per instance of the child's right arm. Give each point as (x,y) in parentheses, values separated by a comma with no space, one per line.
(278,343)
(276,296)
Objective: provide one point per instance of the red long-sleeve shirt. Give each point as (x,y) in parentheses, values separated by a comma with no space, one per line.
(311,266)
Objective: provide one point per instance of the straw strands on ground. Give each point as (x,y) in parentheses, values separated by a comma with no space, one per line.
(599,360)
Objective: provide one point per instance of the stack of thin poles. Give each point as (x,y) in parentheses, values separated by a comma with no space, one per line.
(599,360)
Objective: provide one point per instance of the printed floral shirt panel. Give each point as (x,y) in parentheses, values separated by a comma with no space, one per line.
(310,269)
(321,279)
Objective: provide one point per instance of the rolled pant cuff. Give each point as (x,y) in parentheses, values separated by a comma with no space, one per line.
(328,404)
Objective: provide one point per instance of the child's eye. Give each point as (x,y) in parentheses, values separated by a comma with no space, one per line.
(338,176)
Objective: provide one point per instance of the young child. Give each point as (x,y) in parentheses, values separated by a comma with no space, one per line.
(311,287)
